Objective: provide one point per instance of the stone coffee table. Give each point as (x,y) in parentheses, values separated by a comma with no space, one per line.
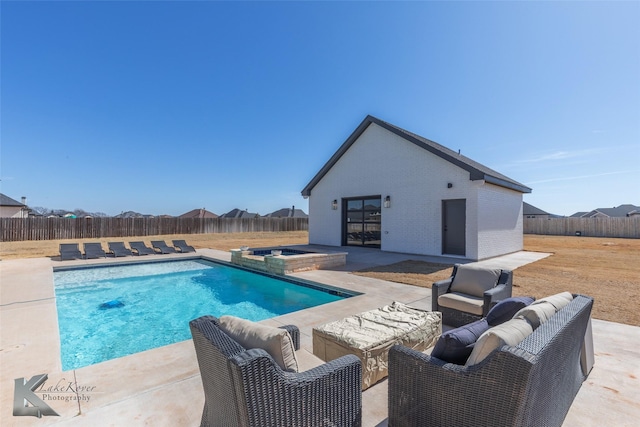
(371,334)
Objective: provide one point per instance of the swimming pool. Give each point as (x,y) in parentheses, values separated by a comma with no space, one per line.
(113,311)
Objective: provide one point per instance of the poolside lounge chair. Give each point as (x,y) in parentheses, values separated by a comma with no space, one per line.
(139,248)
(182,246)
(161,247)
(246,386)
(94,250)
(118,249)
(69,251)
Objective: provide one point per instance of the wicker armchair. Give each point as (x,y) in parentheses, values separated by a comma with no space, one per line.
(247,388)
(530,384)
(473,301)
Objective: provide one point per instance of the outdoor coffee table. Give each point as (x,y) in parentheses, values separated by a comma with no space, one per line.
(371,334)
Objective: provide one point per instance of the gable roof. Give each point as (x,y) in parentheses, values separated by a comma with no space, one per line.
(8,201)
(528,209)
(476,170)
(291,212)
(578,214)
(198,213)
(237,213)
(621,211)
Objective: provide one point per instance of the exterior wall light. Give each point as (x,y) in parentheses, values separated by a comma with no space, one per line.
(387,202)
(334,205)
(449,185)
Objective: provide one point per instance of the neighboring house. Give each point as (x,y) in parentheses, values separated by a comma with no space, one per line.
(621,211)
(578,215)
(291,212)
(530,211)
(237,213)
(10,208)
(388,188)
(198,213)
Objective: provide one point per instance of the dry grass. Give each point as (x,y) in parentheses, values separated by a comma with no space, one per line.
(606,269)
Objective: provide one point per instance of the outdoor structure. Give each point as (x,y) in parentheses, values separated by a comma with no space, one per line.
(391,189)
(10,208)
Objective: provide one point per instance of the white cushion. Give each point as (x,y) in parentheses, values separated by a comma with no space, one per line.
(462,302)
(558,300)
(474,280)
(274,341)
(511,332)
(536,314)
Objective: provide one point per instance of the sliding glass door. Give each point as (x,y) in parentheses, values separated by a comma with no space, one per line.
(362,221)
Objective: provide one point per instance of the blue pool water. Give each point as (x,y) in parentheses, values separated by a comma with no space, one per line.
(110,312)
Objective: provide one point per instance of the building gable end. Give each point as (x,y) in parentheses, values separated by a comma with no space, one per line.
(475,173)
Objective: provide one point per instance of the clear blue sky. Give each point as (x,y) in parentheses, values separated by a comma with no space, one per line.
(164,107)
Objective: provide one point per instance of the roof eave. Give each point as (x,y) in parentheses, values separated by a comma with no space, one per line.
(506,184)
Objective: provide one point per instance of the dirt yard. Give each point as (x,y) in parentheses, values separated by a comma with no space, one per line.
(606,269)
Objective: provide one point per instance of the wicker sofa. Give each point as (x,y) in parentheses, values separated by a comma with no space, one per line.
(246,387)
(532,383)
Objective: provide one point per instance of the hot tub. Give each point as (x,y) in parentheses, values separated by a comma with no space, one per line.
(285,260)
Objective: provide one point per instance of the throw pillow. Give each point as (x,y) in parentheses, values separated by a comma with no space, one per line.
(506,309)
(274,341)
(558,300)
(474,280)
(455,345)
(537,314)
(512,332)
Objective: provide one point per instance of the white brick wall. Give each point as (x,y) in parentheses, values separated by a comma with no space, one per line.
(382,163)
(499,221)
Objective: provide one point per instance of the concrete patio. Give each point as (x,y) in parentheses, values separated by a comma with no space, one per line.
(162,386)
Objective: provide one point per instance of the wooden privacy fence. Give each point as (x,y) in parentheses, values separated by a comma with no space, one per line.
(17,229)
(590,227)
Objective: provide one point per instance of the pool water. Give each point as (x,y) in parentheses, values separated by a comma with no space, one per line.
(110,312)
